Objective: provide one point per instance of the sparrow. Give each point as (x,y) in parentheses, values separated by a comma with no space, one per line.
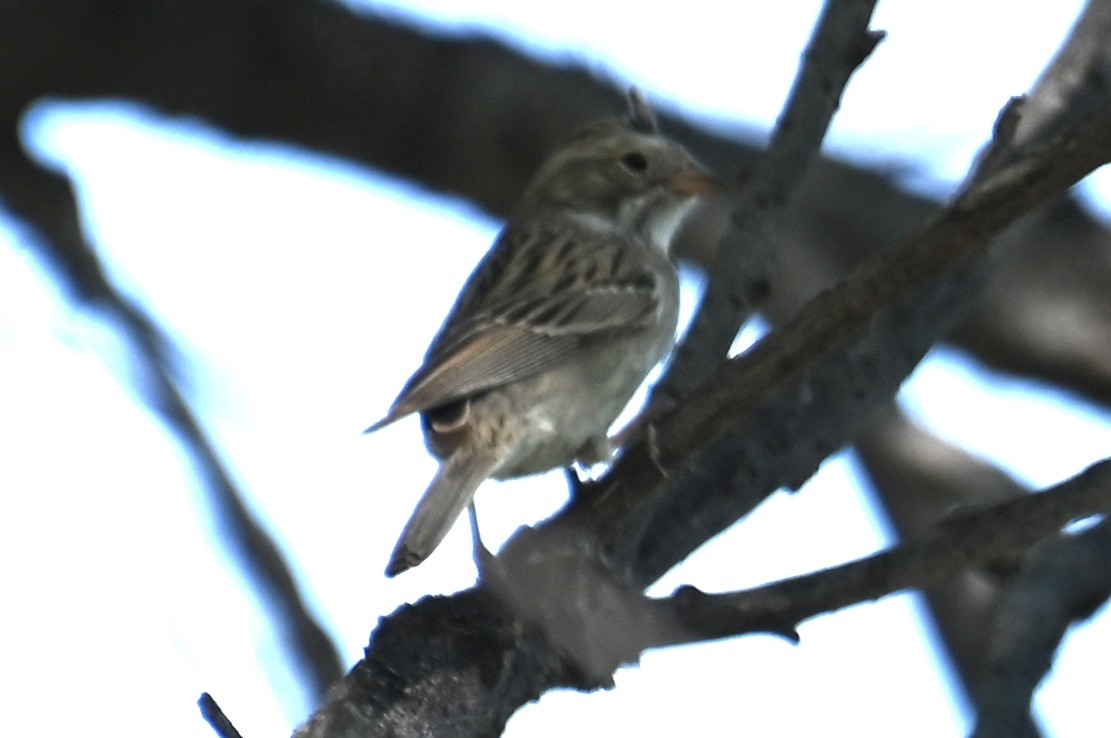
(558,325)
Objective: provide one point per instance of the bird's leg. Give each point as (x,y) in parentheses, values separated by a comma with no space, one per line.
(574,484)
(597,450)
(643,427)
(654,449)
(483,559)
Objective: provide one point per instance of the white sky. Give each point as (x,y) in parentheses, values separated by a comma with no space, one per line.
(109,563)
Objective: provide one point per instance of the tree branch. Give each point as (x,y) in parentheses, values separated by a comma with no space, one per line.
(918,479)
(215,717)
(318,75)
(768,418)
(45,201)
(964,608)
(1064,581)
(738,276)
(764,420)
(599,623)
(339,70)
(472,117)
(964,540)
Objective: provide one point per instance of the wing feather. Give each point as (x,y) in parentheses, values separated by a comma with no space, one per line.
(542,293)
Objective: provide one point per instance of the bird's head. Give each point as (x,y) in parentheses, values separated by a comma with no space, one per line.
(625,173)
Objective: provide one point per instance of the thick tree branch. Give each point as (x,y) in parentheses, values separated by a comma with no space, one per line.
(599,623)
(473,117)
(769,417)
(764,420)
(314,74)
(965,607)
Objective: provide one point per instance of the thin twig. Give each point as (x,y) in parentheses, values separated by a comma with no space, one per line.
(215,717)
(840,43)
(953,545)
(45,201)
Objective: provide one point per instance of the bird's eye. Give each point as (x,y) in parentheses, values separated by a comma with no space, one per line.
(635,162)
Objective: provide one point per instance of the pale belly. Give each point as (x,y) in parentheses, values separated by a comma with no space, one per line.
(552,419)
(570,409)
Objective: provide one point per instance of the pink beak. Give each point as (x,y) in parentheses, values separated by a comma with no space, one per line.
(693,182)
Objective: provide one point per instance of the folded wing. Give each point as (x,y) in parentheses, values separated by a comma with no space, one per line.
(541,295)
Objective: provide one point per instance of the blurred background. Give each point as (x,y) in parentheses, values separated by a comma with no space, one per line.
(298,291)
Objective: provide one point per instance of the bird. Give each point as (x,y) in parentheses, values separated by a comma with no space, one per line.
(558,325)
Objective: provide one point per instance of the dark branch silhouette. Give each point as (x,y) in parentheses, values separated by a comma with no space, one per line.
(762,421)
(472,117)
(214,716)
(964,540)
(737,278)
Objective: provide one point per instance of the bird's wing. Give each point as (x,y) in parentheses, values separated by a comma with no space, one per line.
(543,292)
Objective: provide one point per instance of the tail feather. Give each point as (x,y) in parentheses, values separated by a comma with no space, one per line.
(441,505)
(393,415)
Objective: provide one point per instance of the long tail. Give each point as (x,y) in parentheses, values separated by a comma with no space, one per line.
(442,504)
